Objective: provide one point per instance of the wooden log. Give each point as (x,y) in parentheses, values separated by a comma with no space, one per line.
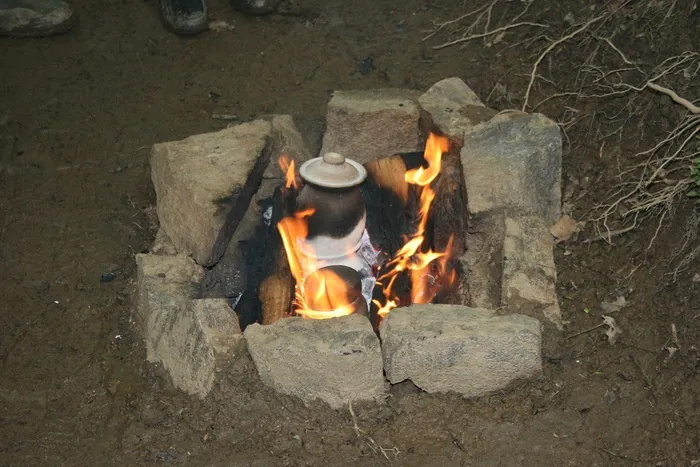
(449,209)
(388,174)
(277,291)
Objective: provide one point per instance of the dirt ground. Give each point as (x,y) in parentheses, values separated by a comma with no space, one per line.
(78,116)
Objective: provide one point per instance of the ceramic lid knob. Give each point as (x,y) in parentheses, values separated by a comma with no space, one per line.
(333,158)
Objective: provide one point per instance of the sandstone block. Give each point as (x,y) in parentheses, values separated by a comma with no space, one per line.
(189,337)
(287,141)
(204,184)
(513,161)
(451,348)
(336,360)
(367,125)
(453,107)
(482,263)
(529,273)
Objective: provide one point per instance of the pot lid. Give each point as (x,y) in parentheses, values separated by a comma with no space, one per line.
(333,170)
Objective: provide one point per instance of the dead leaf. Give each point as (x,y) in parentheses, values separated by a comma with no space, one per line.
(565,228)
(613,330)
(617,305)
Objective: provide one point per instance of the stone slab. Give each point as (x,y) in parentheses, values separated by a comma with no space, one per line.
(336,360)
(452,348)
(482,263)
(513,162)
(529,275)
(190,337)
(453,107)
(368,125)
(204,184)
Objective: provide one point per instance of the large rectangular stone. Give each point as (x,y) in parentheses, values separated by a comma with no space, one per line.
(528,285)
(368,125)
(190,337)
(452,348)
(337,360)
(204,184)
(513,162)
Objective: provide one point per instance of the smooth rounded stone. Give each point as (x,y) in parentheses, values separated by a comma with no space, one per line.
(35,18)
(452,348)
(337,360)
(256,7)
(513,162)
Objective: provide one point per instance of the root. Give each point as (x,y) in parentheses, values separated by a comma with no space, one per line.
(482,23)
(376,448)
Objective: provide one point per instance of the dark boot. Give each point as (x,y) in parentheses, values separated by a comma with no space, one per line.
(255,7)
(184,16)
(35,18)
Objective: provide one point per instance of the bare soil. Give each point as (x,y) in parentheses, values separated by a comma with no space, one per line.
(78,117)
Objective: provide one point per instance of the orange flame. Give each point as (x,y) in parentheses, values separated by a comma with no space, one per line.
(287,167)
(427,275)
(327,297)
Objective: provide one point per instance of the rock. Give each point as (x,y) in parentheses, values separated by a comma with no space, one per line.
(453,107)
(530,275)
(514,161)
(36,19)
(204,184)
(452,348)
(482,263)
(336,360)
(162,245)
(286,141)
(367,125)
(190,337)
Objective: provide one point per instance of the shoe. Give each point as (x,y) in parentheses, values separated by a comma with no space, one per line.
(255,7)
(184,17)
(35,18)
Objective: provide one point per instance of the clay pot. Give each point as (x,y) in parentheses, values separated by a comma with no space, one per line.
(332,189)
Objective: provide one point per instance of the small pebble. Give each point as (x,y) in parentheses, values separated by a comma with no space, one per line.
(696,277)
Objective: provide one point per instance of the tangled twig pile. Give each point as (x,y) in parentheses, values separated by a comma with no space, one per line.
(607,96)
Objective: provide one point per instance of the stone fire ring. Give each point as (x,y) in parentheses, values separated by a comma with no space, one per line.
(511,163)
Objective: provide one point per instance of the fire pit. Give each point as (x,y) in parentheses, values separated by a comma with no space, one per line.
(352,270)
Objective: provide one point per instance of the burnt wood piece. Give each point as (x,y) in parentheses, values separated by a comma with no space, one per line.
(237,203)
(448,212)
(267,268)
(390,217)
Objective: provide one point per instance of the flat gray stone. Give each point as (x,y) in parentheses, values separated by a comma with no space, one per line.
(204,184)
(530,276)
(453,107)
(452,348)
(513,162)
(368,125)
(336,360)
(190,337)
(482,262)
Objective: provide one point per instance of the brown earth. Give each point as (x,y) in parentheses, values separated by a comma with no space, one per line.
(79,115)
